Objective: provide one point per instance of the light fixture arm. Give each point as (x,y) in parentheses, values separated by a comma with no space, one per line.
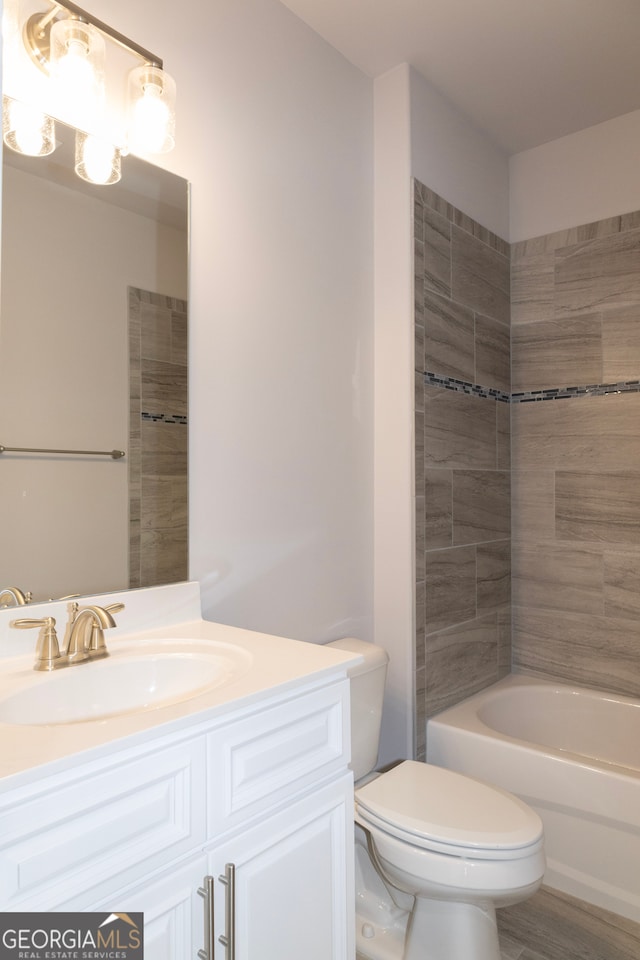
(38,27)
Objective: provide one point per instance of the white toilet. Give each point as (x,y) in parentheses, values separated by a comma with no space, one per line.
(437,852)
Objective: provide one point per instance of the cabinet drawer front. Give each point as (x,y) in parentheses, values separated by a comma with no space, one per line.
(113,826)
(263,757)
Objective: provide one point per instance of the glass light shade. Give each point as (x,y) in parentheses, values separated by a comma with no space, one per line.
(26,129)
(97,160)
(152,110)
(77,70)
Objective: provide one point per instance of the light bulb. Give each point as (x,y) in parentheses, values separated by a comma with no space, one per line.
(73,69)
(97,161)
(77,70)
(26,129)
(152,117)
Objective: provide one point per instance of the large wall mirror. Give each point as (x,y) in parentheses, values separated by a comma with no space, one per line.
(93,358)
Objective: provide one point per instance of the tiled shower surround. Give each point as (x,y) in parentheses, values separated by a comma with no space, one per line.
(527,499)
(462,502)
(158,496)
(527,492)
(576,462)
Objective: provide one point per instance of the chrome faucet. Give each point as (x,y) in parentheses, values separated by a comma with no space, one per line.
(86,636)
(87,626)
(13,597)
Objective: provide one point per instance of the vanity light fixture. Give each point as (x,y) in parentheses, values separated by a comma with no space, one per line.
(68,44)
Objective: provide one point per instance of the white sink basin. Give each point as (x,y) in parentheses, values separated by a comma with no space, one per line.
(136,677)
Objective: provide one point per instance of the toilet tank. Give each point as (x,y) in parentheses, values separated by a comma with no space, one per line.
(367,693)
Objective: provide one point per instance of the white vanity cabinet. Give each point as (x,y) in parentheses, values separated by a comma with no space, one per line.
(281,890)
(260,796)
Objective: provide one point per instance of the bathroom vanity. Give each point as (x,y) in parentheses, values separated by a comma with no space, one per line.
(224,814)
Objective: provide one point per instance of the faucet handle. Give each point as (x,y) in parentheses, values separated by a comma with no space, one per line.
(114,607)
(47,649)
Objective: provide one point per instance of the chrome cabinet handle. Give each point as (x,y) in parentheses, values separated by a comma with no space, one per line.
(206,892)
(228,938)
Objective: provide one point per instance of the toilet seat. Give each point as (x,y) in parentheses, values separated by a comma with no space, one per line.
(443,811)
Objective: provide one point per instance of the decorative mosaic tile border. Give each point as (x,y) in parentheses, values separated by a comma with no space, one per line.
(566,393)
(530,396)
(164,417)
(461,386)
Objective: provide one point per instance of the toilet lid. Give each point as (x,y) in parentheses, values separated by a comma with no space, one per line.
(429,803)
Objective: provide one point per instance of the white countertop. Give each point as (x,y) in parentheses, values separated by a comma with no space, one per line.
(277,665)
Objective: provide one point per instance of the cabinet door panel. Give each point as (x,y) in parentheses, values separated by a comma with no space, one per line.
(173,911)
(293,881)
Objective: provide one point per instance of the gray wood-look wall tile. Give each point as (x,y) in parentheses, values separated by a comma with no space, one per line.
(576,509)
(437,252)
(532,289)
(493,574)
(449,344)
(419,347)
(165,501)
(583,648)
(460,430)
(179,338)
(597,506)
(450,587)
(479,276)
(493,352)
(461,661)
(162,384)
(419,394)
(155,332)
(622,584)
(553,576)
(164,450)
(621,343)
(158,490)
(420,440)
(481,505)
(598,273)
(504,641)
(466,338)
(587,434)
(503,436)
(420,525)
(533,512)
(438,508)
(164,555)
(557,353)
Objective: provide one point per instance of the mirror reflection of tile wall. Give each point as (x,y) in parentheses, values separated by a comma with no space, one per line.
(158,431)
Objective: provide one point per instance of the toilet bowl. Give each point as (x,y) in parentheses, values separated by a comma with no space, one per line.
(436,851)
(460,847)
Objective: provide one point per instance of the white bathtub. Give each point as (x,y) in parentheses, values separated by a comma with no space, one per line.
(574,755)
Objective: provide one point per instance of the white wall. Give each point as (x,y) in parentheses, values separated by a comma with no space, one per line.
(274,132)
(586,176)
(455,158)
(394,433)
